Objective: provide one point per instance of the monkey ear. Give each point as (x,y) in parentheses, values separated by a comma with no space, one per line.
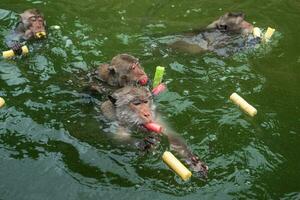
(228,14)
(241,14)
(112,99)
(112,69)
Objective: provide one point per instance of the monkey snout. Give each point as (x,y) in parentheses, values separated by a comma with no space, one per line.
(147,117)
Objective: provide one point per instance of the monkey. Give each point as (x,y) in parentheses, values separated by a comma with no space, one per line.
(132,107)
(224,36)
(123,70)
(31,25)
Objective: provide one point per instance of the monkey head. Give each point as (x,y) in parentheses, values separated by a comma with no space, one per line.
(123,70)
(133,106)
(34,24)
(232,22)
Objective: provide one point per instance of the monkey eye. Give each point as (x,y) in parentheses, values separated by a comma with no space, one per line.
(133,66)
(33,18)
(136,103)
(145,102)
(40,19)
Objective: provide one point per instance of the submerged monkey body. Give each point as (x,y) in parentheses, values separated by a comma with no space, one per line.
(225,36)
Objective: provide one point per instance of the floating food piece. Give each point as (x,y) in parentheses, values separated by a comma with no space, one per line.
(11,53)
(158,89)
(176,165)
(244,105)
(153,127)
(257,32)
(2,102)
(41,34)
(158,76)
(268,34)
(55,27)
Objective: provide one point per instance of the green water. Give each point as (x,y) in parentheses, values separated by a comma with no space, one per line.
(53,143)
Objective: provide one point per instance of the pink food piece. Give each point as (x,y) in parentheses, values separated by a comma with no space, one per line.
(153,127)
(143,81)
(159,89)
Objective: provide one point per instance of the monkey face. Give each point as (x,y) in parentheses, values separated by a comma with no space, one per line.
(134,106)
(34,24)
(37,26)
(232,22)
(142,108)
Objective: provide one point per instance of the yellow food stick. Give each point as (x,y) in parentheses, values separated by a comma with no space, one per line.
(25,49)
(2,102)
(40,34)
(176,165)
(244,105)
(158,76)
(257,32)
(268,34)
(8,54)
(11,53)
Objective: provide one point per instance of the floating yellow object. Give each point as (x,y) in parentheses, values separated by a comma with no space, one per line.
(56,27)
(158,76)
(41,34)
(176,165)
(11,53)
(2,102)
(268,34)
(244,105)
(257,32)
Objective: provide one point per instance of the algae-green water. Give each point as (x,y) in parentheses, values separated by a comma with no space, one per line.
(54,143)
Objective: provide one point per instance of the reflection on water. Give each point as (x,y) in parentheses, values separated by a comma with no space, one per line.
(52,136)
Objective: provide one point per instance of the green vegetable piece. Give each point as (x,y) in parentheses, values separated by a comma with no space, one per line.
(158,76)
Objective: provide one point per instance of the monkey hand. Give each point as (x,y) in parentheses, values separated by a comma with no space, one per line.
(17,48)
(97,89)
(199,167)
(148,143)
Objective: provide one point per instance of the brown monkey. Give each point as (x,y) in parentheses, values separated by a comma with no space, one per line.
(132,107)
(31,25)
(123,70)
(227,35)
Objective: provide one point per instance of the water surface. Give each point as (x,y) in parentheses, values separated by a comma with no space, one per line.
(53,143)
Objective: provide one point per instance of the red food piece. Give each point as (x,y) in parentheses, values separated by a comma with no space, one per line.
(153,127)
(143,81)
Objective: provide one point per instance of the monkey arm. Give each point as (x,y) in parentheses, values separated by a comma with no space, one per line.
(16,39)
(178,145)
(122,135)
